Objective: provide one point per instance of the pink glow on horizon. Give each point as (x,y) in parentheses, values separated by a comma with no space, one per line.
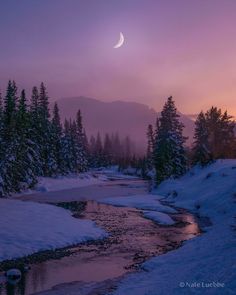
(183,48)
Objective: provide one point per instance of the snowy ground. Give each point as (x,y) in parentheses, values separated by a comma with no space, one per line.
(27,227)
(206,264)
(144,202)
(50,184)
(90,178)
(159,217)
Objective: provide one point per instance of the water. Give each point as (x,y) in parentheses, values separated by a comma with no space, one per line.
(133,239)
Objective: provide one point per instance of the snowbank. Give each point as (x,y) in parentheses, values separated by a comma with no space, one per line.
(144,202)
(206,264)
(113,173)
(27,227)
(159,217)
(49,184)
(59,183)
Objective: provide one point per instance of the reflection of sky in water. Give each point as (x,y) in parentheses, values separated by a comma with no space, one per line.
(132,234)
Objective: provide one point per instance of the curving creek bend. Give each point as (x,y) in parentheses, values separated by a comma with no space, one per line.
(96,267)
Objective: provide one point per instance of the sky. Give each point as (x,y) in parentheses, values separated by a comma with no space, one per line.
(184,48)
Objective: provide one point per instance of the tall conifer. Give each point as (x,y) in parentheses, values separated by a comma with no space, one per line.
(169,151)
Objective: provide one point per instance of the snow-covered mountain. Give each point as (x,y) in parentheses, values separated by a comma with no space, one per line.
(127,118)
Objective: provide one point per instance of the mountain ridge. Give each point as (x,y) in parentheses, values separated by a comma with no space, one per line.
(126,118)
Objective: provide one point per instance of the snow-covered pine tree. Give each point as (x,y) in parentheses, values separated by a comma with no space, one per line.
(75,146)
(92,149)
(150,146)
(27,154)
(228,138)
(67,149)
(10,103)
(35,129)
(169,151)
(1,147)
(82,157)
(201,149)
(57,141)
(49,165)
(87,149)
(32,144)
(9,166)
(221,133)
(1,117)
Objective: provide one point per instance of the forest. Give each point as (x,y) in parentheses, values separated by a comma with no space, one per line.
(34,142)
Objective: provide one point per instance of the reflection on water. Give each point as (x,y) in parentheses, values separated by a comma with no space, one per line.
(132,240)
(18,289)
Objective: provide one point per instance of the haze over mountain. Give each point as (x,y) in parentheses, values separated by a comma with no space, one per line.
(126,118)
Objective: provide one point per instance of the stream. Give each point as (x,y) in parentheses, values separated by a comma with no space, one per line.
(95,267)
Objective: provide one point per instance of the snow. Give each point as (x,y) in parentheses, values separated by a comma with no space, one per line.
(113,173)
(72,181)
(27,227)
(49,184)
(159,217)
(143,202)
(205,264)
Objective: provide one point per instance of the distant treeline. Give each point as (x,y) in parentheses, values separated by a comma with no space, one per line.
(111,150)
(167,154)
(34,142)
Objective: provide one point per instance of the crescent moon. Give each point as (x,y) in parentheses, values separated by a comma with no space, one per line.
(120,42)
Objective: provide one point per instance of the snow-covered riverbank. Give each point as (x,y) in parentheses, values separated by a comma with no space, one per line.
(51,184)
(206,264)
(203,265)
(27,227)
(30,227)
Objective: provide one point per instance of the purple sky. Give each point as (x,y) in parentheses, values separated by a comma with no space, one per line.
(186,48)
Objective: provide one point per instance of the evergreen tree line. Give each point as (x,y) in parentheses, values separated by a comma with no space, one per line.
(34,143)
(167,154)
(111,150)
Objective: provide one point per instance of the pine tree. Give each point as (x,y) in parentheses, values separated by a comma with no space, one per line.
(44,102)
(201,149)
(1,121)
(9,167)
(57,141)
(1,148)
(99,156)
(87,149)
(34,106)
(169,152)
(27,157)
(76,148)
(49,165)
(67,149)
(127,148)
(214,136)
(81,138)
(220,133)
(92,149)
(107,150)
(150,146)
(34,145)
(117,148)
(10,103)
(36,129)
